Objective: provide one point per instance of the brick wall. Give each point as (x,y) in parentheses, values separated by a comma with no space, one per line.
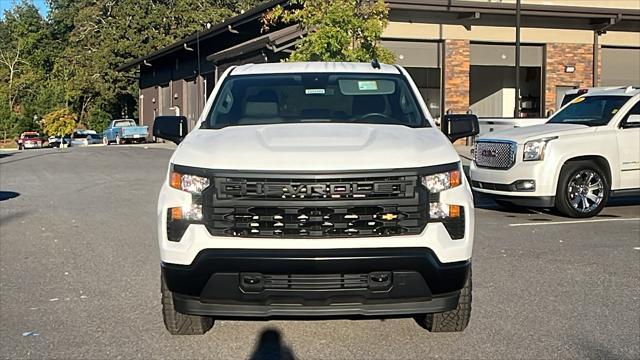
(456,75)
(560,55)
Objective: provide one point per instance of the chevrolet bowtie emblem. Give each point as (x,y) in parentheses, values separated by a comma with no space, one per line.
(389,216)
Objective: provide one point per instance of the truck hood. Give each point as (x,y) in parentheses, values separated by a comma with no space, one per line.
(523,134)
(315,147)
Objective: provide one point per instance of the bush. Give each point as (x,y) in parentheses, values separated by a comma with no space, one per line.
(98,120)
(59,122)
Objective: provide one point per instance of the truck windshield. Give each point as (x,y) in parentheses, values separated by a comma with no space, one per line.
(315,97)
(590,110)
(124,123)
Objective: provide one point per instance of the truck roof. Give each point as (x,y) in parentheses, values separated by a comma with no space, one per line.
(312,67)
(625,91)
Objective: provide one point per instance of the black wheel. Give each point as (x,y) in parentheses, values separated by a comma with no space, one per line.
(178,323)
(583,189)
(454,320)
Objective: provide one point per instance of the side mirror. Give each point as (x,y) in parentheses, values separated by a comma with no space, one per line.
(633,120)
(458,126)
(172,128)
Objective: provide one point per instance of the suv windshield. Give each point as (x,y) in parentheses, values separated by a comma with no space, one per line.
(315,97)
(30,136)
(590,110)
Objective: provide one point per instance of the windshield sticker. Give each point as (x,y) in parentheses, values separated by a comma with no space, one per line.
(614,111)
(314,91)
(578,100)
(367,85)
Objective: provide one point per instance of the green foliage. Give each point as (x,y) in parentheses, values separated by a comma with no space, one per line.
(68,60)
(338,30)
(98,120)
(59,122)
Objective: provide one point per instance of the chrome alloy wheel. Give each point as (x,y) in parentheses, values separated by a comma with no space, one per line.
(585,190)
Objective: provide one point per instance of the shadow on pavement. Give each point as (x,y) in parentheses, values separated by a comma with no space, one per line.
(270,347)
(31,157)
(624,201)
(6,195)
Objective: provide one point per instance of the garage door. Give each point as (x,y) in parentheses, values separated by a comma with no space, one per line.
(620,67)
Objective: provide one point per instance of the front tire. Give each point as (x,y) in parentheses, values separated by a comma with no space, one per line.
(105,140)
(178,323)
(583,190)
(454,320)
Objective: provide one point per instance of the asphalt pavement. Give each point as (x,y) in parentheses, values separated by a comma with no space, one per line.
(80,277)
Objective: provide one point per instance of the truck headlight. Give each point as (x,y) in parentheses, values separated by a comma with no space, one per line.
(441,181)
(534,149)
(189,183)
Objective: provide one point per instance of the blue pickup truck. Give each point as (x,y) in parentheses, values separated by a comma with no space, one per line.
(122,131)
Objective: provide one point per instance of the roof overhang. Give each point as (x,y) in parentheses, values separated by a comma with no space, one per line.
(227,26)
(276,41)
(455,12)
(477,13)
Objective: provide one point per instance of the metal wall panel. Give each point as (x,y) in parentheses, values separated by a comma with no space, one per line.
(414,53)
(505,55)
(620,67)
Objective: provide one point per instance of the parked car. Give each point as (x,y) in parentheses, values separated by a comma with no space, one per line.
(586,152)
(56,140)
(85,138)
(29,140)
(306,184)
(124,131)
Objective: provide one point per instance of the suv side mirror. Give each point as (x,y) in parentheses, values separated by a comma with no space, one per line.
(458,126)
(633,121)
(172,128)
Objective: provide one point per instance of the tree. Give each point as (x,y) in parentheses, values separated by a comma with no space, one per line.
(338,30)
(59,122)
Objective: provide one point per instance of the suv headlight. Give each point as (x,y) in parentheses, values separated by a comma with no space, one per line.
(441,181)
(534,149)
(190,183)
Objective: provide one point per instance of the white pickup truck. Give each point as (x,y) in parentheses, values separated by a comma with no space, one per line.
(587,151)
(315,189)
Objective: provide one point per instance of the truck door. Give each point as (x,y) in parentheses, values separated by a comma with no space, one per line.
(628,135)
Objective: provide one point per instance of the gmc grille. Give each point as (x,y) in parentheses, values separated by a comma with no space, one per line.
(496,155)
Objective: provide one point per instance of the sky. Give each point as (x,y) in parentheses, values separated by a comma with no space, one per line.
(8,4)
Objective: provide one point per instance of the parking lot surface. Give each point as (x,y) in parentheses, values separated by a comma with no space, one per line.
(79,277)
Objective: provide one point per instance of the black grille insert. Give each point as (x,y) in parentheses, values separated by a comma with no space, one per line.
(335,221)
(314,189)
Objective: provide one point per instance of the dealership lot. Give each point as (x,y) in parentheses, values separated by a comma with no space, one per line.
(79,268)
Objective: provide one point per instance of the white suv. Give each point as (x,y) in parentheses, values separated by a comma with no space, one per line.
(587,151)
(315,189)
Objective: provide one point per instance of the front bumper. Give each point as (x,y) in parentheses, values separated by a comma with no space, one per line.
(502,183)
(331,282)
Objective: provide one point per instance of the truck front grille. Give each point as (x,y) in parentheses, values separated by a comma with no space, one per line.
(495,154)
(316,205)
(325,221)
(314,189)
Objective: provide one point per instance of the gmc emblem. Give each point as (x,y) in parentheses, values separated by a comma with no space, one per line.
(488,153)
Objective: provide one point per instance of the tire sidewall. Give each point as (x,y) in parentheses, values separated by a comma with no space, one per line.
(569,170)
